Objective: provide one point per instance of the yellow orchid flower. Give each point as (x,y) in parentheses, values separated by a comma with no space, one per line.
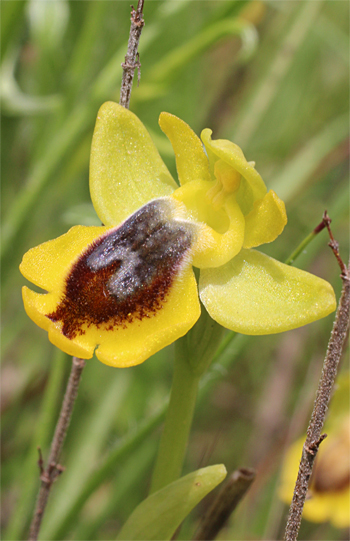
(329,491)
(128,287)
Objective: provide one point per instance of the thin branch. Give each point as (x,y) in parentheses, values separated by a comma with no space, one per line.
(132,57)
(225,503)
(54,469)
(334,245)
(322,225)
(314,436)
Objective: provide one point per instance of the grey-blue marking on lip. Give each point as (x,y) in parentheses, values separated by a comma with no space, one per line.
(144,244)
(127,273)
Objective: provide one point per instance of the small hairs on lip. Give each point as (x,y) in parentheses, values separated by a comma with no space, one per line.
(127,273)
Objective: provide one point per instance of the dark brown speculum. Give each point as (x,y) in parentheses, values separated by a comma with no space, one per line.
(126,274)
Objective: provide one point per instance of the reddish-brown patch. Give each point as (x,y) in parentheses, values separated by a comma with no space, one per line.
(126,274)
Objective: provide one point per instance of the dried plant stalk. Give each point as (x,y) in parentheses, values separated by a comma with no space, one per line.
(314,432)
(53,468)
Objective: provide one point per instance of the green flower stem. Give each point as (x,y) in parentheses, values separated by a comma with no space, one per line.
(177,423)
(193,354)
(290,260)
(224,353)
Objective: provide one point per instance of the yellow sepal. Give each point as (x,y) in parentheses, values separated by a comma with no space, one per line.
(126,170)
(255,294)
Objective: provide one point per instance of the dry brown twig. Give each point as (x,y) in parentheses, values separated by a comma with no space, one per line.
(314,435)
(53,469)
(132,56)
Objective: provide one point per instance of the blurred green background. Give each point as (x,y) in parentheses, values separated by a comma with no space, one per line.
(273,77)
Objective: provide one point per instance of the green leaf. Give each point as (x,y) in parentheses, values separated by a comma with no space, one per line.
(160,514)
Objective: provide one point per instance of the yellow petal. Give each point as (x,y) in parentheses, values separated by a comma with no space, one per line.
(222,232)
(126,170)
(265,222)
(255,294)
(233,155)
(47,264)
(191,160)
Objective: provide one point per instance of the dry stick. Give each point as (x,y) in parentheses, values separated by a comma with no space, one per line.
(225,503)
(324,391)
(131,58)
(53,468)
(334,245)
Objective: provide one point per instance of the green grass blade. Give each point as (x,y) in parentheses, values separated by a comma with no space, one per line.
(29,475)
(86,452)
(266,90)
(299,169)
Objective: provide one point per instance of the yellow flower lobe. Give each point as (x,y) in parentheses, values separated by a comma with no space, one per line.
(227,182)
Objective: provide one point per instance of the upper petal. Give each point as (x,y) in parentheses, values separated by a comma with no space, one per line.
(265,222)
(255,294)
(191,160)
(233,155)
(126,170)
